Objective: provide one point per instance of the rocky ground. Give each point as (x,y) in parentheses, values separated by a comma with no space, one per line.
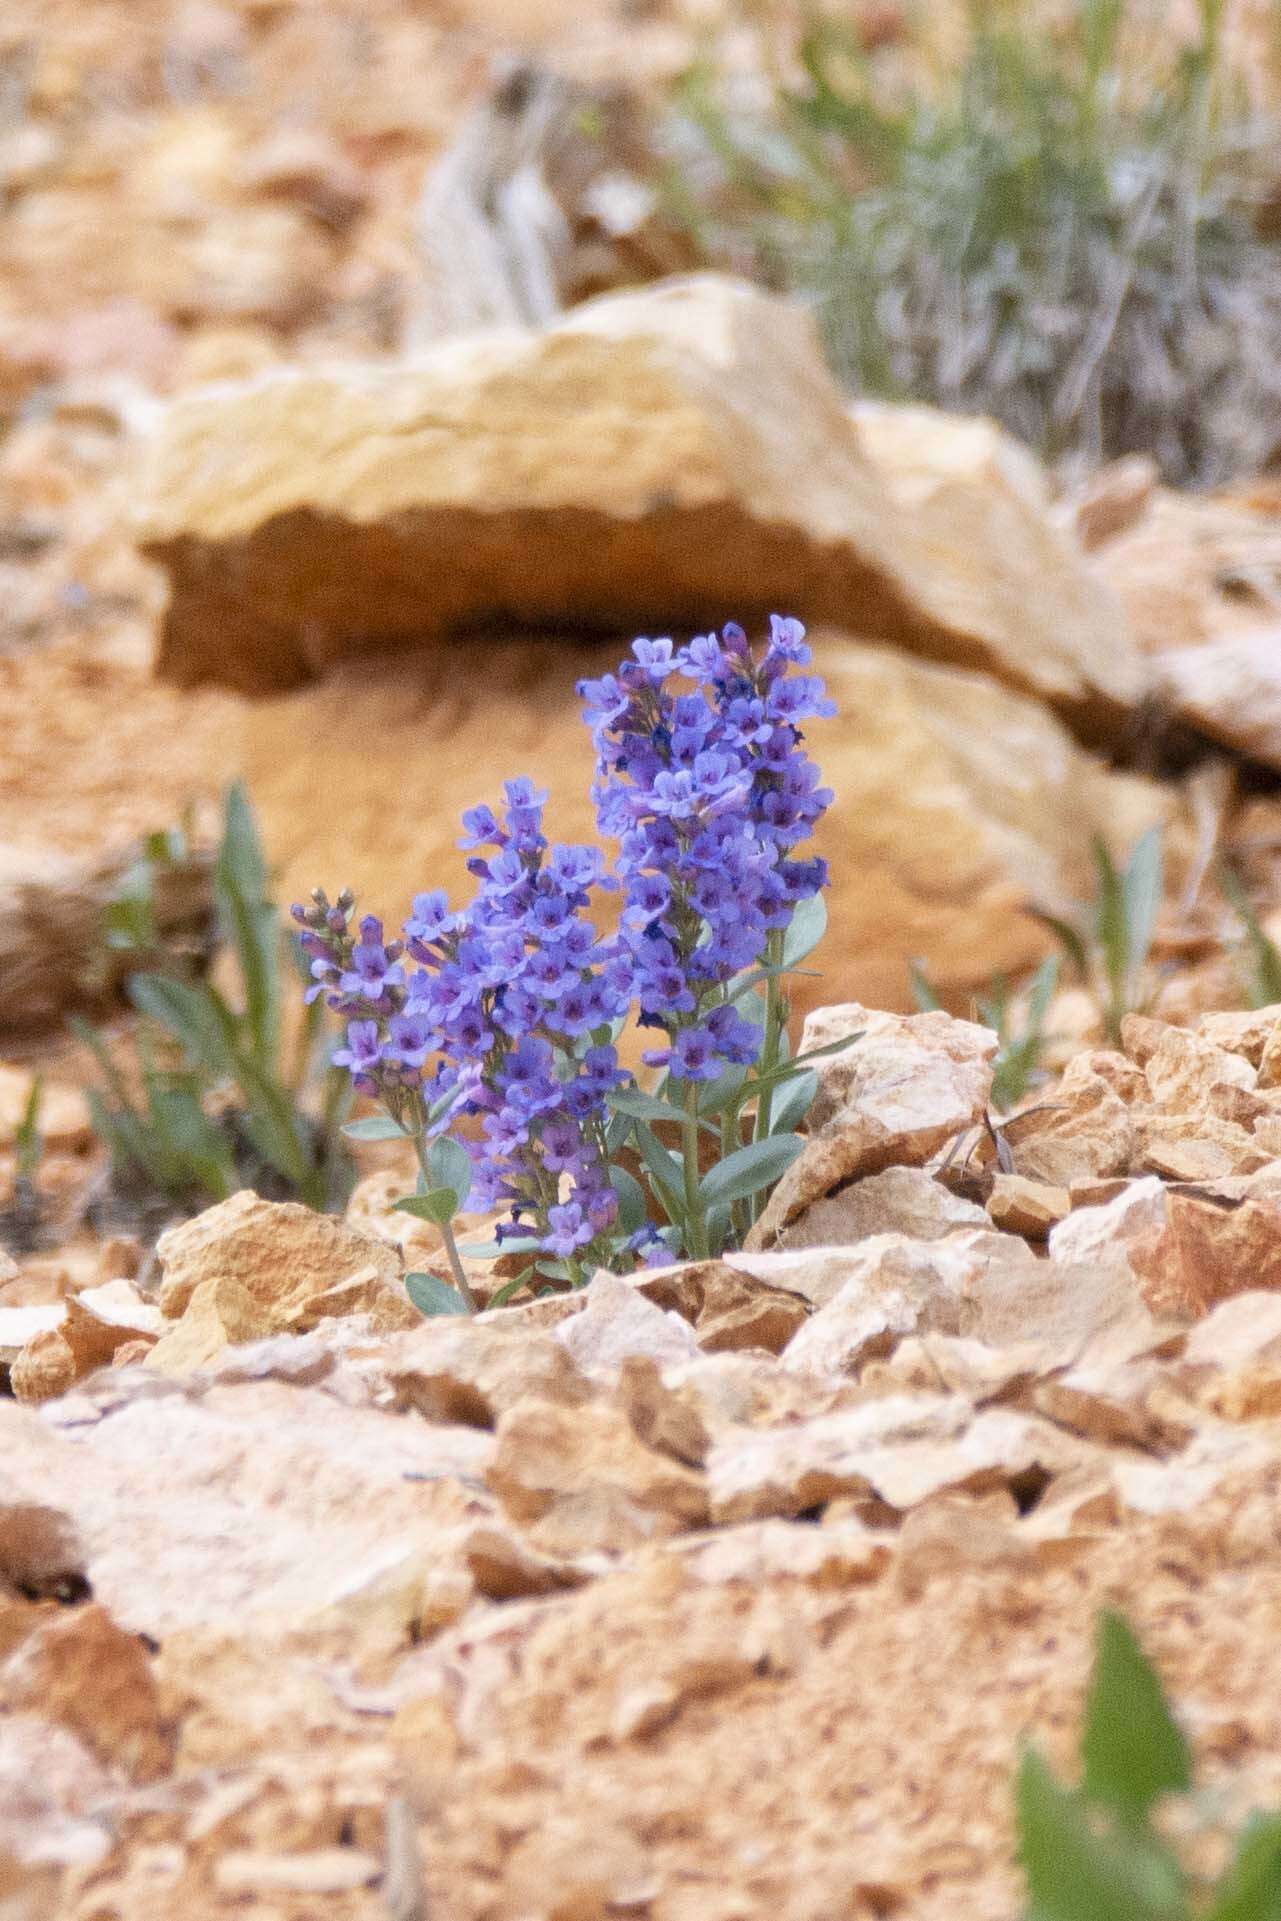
(730,1590)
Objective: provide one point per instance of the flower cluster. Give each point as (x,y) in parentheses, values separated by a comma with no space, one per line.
(708,790)
(505,1013)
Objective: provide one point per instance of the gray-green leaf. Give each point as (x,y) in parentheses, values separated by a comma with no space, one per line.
(749,1169)
(430,1295)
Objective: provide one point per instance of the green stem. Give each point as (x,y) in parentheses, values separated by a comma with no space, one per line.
(775,1021)
(446,1231)
(695,1226)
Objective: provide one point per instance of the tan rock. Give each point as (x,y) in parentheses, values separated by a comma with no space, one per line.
(1270,1058)
(1231,1360)
(661,1417)
(907,1085)
(1246,1033)
(1186,1160)
(578,1479)
(1221,1147)
(617,1322)
(368,1291)
(91,1329)
(900,1200)
(688,435)
(1080,1130)
(1031,1208)
(732,1304)
(1104,1233)
(281,1254)
(1183,1069)
(1208,1250)
(220,1312)
(79,1670)
(463,1372)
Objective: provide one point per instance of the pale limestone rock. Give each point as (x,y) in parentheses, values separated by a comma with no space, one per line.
(1183,1069)
(901,1450)
(815,1274)
(906,1086)
(617,1322)
(276,1507)
(1230,689)
(1031,1208)
(455,1371)
(579,1479)
(281,1254)
(986,1286)
(900,1200)
(672,449)
(1231,1361)
(1100,1234)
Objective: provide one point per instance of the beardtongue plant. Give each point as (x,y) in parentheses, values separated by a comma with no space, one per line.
(506,1016)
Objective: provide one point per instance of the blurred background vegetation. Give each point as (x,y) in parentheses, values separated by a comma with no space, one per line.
(1069,219)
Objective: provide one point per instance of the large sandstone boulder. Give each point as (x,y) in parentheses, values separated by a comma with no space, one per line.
(957,799)
(669,456)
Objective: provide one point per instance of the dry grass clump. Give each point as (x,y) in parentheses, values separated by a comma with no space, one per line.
(1066,229)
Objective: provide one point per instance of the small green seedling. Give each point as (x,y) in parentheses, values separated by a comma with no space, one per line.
(1108,941)
(1095,1852)
(1258,957)
(215,1098)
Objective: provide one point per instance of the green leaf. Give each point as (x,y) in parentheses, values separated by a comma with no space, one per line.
(1079,1872)
(194,1140)
(715,1096)
(491,1250)
(794,1103)
(438,1204)
(509,1289)
(1251,1888)
(196,1017)
(1141,890)
(449,1165)
(748,1169)
(640,1106)
(664,1172)
(432,1296)
(631,1201)
(804,931)
(250,922)
(922,993)
(1069,938)
(1131,1746)
(378,1127)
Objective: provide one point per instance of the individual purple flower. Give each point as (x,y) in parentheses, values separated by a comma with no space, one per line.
(570,1230)
(363,1050)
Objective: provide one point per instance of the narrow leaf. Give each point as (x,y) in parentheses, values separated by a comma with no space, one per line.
(377,1127)
(1132,1747)
(1251,1888)
(1075,1872)
(748,1169)
(794,1103)
(922,992)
